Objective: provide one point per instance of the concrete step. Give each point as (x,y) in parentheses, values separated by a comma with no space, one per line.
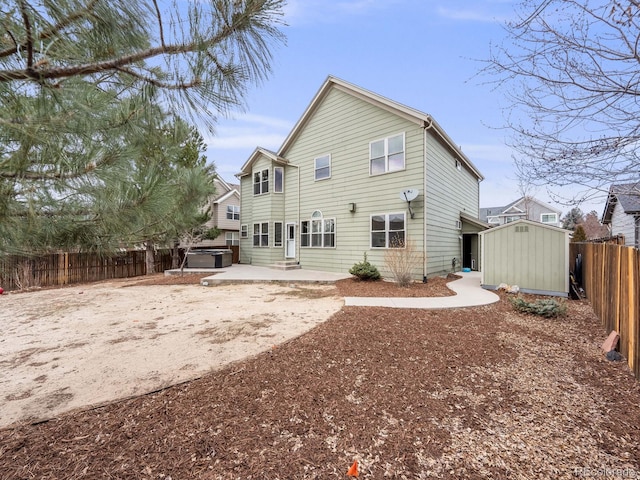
(285,265)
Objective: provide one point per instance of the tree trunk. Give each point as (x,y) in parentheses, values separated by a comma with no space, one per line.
(175,255)
(150,258)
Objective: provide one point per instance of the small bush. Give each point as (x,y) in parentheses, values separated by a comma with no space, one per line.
(400,260)
(548,308)
(365,270)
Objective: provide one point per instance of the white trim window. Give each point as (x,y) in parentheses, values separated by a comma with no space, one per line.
(277,234)
(233,212)
(278,180)
(261,234)
(244,231)
(318,232)
(231,238)
(261,182)
(386,155)
(388,230)
(322,167)
(549,218)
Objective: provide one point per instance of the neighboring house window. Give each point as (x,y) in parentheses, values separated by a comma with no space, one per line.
(549,218)
(261,234)
(493,220)
(278,179)
(318,232)
(386,155)
(277,234)
(388,230)
(511,219)
(322,167)
(244,231)
(233,212)
(231,238)
(261,182)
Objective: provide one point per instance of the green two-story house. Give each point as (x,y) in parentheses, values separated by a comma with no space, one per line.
(360,173)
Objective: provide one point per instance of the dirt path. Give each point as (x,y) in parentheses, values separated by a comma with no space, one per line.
(67,348)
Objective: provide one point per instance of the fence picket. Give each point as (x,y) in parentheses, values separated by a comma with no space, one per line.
(18,272)
(611,279)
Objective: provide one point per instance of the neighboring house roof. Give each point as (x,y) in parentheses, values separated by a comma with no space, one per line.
(225,196)
(413,115)
(627,195)
(513,208)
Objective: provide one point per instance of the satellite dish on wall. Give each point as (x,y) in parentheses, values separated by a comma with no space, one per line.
(407,195)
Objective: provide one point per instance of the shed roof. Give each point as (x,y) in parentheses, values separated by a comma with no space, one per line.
(526,222)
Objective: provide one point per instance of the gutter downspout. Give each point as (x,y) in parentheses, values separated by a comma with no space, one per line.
(426,127)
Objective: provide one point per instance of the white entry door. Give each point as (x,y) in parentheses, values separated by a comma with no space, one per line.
(290,249)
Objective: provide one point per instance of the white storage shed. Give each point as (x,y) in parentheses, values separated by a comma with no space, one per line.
(531,255)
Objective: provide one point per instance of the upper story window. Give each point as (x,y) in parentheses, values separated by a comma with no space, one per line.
(386,155)
(278,179)
(322,167)
(233,212)
(549,218)
(388,230)
(244,231)
(261,182)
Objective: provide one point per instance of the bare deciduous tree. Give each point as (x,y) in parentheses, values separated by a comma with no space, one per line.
(571,73)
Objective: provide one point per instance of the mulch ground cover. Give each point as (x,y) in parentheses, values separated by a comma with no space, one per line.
(482,392)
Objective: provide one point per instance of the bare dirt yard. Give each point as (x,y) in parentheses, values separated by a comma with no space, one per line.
(86,345)
(482,392)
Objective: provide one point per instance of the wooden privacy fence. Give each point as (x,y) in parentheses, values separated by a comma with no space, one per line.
(611,281)
(18,272)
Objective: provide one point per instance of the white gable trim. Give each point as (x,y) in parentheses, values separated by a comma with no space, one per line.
(274,157)
(227,195)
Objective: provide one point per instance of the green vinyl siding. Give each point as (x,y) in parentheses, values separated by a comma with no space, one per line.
(449,191)
(343,126)
(268,207)
(528,254)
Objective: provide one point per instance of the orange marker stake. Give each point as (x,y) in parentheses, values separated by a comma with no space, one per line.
(353,471)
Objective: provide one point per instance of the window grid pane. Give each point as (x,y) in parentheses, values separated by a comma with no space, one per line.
(277,234)
(387,155)
(278,179)
(388,231)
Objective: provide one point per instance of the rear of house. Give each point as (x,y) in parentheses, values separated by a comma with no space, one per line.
(336,188)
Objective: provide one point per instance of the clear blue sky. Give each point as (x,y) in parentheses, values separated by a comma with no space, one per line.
(424,54)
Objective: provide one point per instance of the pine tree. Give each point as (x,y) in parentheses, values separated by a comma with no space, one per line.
(89,157)
(579,235)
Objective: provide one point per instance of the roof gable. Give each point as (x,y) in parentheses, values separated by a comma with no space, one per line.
(257,153)
(627,195)
(408,113)
(227,195)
